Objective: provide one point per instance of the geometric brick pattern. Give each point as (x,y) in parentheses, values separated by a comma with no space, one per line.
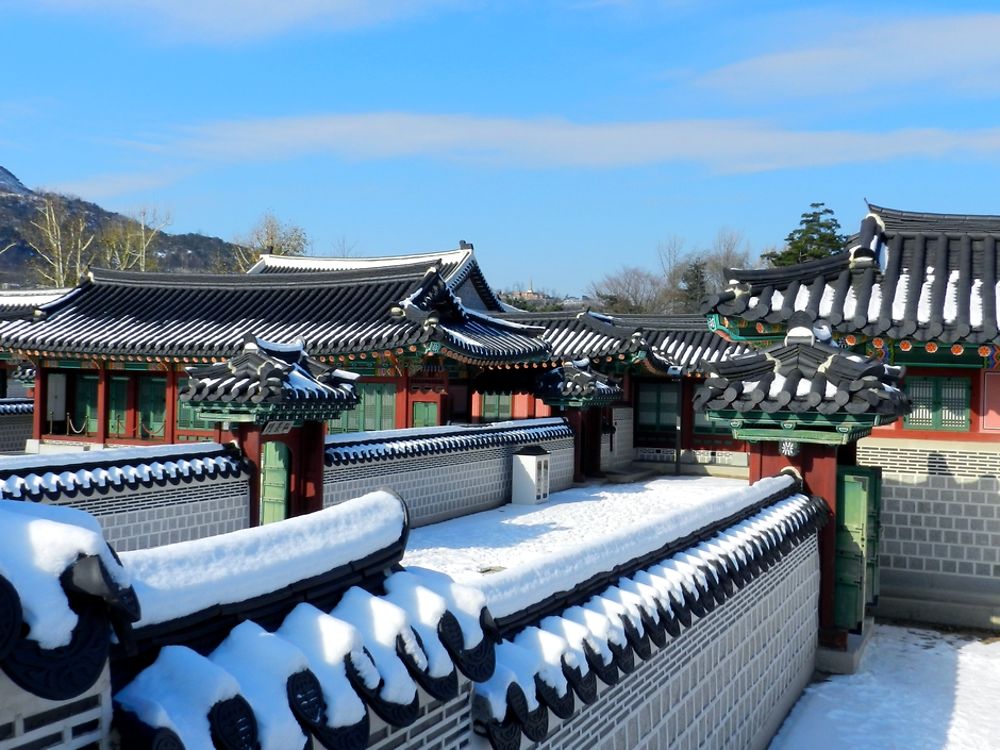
(931,460)
(441,726)
(728,681)
(15,429)
(941,524)
(441,486)
(151,517)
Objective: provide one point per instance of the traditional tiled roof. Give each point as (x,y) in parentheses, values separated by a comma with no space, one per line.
(671,344)
(456,266)
(350,448)
(577,384)
(803,375)
(579,334)
(921,276)
(314,653)
(24,372)
(401,308)
(61,590)
(62,476)
(271,374)
(18,302)
(684,340)
(556,662)
(16,406)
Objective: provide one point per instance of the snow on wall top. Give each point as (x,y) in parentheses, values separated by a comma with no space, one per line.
(518,556)
(388,444)
(557,662)
(55,476)
(180,579)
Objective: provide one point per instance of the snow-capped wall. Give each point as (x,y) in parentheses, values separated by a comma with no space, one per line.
(443,472)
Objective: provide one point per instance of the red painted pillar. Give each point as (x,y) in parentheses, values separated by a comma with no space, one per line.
(818,466)
(575,418)
(170,412)
(39,421)
(312,450)
(102,403)
(250,442)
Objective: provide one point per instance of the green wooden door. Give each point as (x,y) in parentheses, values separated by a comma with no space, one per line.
(858,507)
(275,462)
(425,414)
(85,405)
(118,406)
(152,398)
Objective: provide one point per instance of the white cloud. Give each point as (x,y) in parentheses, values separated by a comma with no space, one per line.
(239,19)
(97,187)
(721,145)
(957,51)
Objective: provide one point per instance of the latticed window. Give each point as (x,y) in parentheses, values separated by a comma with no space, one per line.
(659,405)
(496,407)
(187,419)
(938,404)
(376,410)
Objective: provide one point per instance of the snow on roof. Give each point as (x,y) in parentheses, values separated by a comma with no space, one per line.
(519,555)
(357,447)
(55,476)
(40,542)
(176,580)
(552,666)
(303,263)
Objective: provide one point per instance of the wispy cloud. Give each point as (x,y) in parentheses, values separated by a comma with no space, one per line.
(956,51)
(113,185)
(224,20)
(720,145)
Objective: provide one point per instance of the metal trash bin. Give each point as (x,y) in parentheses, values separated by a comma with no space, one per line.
(530,479)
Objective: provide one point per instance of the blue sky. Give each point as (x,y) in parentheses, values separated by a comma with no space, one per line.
(565,138)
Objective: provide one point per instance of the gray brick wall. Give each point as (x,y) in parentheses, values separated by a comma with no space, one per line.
(939,553)
(447,485)
(619,458)
(727,682)
(440,726)
(27,721)
(15,429)
(157,516)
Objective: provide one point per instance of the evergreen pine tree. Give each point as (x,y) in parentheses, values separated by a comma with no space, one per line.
(817,236)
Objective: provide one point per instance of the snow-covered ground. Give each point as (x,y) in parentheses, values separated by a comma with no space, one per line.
(916,689)
(518,555)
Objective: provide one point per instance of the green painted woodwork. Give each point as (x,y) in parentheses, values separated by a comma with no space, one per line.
(274,466)
(425,414)
(376,410)
(151,400)
(84,405)
(856,551)
(939,403)
(143,366)
(117,406)
(494,407)
(807,427)
(189,419)
(659,406)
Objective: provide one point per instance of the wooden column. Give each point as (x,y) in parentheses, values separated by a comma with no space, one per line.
(170,413)
(312,450)
(39,420)
(575,418)
(250,442)
(102,403)
(818,466)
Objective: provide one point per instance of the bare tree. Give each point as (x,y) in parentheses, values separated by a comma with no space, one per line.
(62,242)
(630,290)
(729,250)
(344,248)
(125,243)
(269,235)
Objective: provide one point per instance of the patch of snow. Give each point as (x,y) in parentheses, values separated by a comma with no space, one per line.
(826,301)
(465,602)
(951,297)
(924,300)
(179,579)
(850,303)
(900,298)
(514,665)
(537,551)
(424,608)
(976,304)
(380,623)
(914,689)
(549,648)
(262,662)
(875,301)
(801,298)
(39,542)
(177,691)
(326,642)
(576,636)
